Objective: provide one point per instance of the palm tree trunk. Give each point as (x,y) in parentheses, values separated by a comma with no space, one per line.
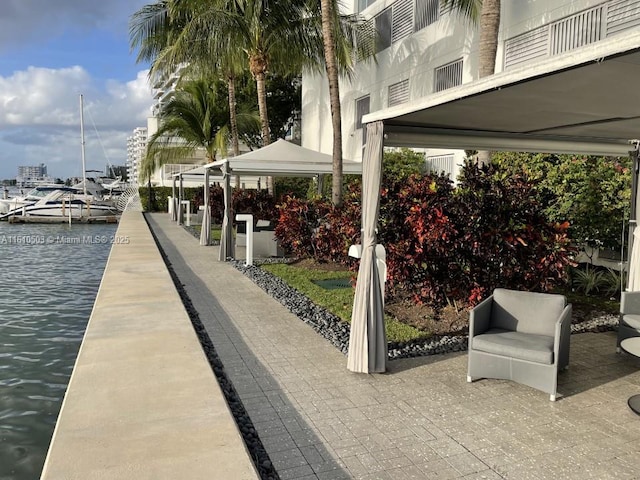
(334,97)
(233,120)
(489,30)
(264,117)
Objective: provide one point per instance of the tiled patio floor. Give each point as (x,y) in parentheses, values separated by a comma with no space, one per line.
(420,420)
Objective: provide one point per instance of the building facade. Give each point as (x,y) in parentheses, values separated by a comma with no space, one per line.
(423,49)
(33,175)
(136,149)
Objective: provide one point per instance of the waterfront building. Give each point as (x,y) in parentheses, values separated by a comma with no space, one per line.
(424,48)
(33,175)
(136,148)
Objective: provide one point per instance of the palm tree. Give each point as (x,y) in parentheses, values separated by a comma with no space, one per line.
(272,36)
(342,36)
(154,28)
(193,120)
(489,31)
(489,13)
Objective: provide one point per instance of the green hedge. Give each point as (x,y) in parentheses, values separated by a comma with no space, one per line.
(162,193)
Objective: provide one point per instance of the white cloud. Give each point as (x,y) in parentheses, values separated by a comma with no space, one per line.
(40,121)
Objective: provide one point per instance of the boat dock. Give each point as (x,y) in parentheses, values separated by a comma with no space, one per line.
(43,219)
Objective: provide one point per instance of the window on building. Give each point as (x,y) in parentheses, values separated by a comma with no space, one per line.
(383,28)
(362,4)
(426,13)
(399,93)
(447,76)
(362,108)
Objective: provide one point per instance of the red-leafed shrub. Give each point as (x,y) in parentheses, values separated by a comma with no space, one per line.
(297,220)
(338,227)
(506,240)
(258,203)
(315,228)
(443,245)
(419,236)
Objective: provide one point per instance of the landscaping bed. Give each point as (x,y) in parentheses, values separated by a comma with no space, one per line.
(427,336)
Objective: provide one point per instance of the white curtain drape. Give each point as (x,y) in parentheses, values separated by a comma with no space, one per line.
(174,207)
(205,232)
(226,237)
(368,341)
(180,197)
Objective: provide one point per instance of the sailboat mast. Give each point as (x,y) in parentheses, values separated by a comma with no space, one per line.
(84,168)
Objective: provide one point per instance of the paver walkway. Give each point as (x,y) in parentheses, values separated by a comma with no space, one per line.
(420,420)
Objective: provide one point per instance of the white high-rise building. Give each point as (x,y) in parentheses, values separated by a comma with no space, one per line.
(32,175)
(424,48)
(136,149)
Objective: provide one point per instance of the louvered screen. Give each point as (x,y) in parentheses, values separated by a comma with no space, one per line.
(399,93)
(426,13)
(622,15)
(402,24)
(526,47)
(576,31)
(441,163)
(448,76)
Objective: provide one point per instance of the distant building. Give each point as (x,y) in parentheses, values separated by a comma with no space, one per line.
(117,171)
(136,149)
(30,176)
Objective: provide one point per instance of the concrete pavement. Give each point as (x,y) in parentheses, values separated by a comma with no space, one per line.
(142,402)
(420,420)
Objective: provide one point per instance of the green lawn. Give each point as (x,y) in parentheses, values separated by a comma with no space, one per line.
(215,231)
(338,301)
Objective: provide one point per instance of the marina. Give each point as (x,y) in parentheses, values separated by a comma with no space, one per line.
(50,277)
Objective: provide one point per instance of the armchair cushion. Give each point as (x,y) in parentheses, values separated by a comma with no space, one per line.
(632,321)
(523,346)
(526,312)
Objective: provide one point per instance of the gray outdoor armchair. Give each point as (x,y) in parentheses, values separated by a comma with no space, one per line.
(629,325)
(520,336)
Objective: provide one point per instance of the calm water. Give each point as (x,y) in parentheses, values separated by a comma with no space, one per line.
(49,278)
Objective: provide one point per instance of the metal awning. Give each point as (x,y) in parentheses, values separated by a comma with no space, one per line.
(586,101)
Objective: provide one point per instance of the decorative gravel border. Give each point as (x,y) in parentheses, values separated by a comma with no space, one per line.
(336,331)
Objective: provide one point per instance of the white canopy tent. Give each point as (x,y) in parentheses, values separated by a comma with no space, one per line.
(280,158)
(584,102)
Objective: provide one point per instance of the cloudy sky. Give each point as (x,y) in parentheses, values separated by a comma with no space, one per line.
(51,51)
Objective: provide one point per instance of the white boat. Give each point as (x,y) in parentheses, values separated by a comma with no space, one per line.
(65,204)
(82,201)
(31,197)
